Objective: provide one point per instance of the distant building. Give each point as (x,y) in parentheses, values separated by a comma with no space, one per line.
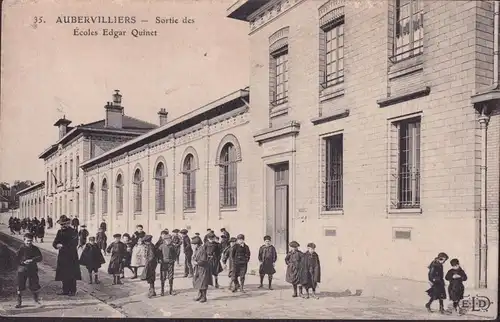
(32,201)
(5,194)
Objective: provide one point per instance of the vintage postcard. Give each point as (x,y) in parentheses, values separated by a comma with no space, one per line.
(250,159)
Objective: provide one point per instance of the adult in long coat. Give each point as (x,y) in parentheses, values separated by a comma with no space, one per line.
(40,231)
(202,275)
(149,271)
(68,268)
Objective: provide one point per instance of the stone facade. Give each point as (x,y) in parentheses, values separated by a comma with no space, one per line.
(32,201)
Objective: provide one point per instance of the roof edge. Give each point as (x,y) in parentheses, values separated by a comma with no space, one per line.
(32,187)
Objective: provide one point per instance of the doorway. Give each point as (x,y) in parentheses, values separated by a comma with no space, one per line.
(280,216)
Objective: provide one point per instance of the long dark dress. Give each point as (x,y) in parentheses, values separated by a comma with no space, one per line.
(101,240)
(40,231)
(68,267)
(202,276)
(456,287)
(267,257)
(437,291)
(149,272)
(294,272)
(214,257)
(312,269)
(117,250)
(92,257)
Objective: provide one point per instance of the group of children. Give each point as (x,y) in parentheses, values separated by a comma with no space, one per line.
(455,276)
(34,226)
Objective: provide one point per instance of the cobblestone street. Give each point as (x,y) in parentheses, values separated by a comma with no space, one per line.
(129,300)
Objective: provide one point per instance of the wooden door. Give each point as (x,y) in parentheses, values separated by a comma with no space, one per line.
(281,208)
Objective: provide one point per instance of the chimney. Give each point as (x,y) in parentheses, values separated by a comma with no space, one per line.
(62,123)
(163,116)
(114,111)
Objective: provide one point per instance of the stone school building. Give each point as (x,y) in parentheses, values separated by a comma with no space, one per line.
(371,130)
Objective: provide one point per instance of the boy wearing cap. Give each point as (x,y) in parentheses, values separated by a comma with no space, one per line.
(82,236)
(149,272)
(214,257)
(202,276)
(117,249)
(176,241)
(209,231)
(267,259)
(456,276)
(226,259)
(294,264)
(312,270)
(188,253)
(164,233)
(240,254)
(225,233)
(28,256)
(167,256)
(92,259)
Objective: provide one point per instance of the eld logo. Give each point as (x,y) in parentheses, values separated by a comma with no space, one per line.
(475,303)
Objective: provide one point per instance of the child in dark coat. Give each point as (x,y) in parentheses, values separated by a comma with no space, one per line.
(27,257)
(92,259)
(312,270)
(118,251)
(437,290)
(149,272)
(456,276)
(128,255)
(240,254)
(293,260)
(167,254)
(267,259)
(101,239)
(227,261)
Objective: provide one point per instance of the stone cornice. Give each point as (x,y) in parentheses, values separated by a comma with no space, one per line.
(269,12)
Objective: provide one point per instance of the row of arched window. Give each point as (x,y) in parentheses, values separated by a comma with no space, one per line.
(33,207)
(227,162)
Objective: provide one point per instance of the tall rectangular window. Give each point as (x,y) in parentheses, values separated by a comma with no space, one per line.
(409,164)
(334,53)
(77,206)
(65,171)
(280,86)
(333,175)
(409,29)
(71,169)
(77,166)
(60,175)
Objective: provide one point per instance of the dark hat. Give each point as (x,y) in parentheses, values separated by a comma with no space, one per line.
(209,229)
(197,234)
(294,244)
(196,240)
(232,240)
(184,231)
(126,235)
(139,226)
(164,232)
(223,229)
(442,255)
(311,245)
(175,230)
(63,220)
(454,262)
(83,226)
(147,238)
(240,236)
(28,236)
(210,235)
(117,235)
(267,237)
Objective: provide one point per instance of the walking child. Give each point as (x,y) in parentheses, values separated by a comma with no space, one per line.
(167,254)
(188,253)
(293,260)
(312,269)
(456,276)
(28,256)
(101,239)
(177,242)
(202,277)
(240,254)
(267,259)
(149,272)
(117,249)
(437,290)
(128,255)
(214,257)
(40,232)
(227,261)
(92,259)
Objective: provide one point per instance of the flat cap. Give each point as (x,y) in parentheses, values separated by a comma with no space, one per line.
(311,245)
(294,244)
(175,230)
(147,238)
(83,226)
(184,231)
(267,237)
(126,235)
(164,232)
(117,235)
(196,240)
(240,236)
(210,235)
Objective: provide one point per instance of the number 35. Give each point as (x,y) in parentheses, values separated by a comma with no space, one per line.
(38,19)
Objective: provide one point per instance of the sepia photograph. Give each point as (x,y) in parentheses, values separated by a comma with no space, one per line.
(250,159)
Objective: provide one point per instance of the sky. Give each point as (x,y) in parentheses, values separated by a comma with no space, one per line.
(48,72)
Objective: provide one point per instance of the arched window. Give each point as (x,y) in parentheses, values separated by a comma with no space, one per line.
(160,187)
(71,169)
(92,198)
(137,191)
(228,176)
(189,176)
(119,194)
(104,190)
